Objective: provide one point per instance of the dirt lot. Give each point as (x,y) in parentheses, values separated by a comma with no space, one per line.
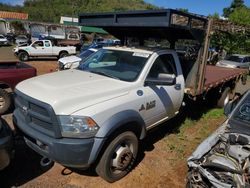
(162,156)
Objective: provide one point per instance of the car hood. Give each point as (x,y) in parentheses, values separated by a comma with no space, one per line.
(73,90)
(21,40)
(70,59)
(226,62)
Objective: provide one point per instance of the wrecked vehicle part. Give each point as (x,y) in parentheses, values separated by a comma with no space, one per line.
(5,144)
(223,159)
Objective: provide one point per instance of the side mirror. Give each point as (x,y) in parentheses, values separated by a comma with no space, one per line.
(34,46)
(163,79)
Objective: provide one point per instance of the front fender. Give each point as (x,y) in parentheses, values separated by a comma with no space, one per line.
(118,121)
(128,117)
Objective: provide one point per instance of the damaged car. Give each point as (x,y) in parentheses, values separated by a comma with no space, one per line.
(223,159)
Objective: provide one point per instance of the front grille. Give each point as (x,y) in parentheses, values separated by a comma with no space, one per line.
(36,114)
(61,66)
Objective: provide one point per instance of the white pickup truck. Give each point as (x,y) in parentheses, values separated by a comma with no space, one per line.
(97,113)
(43,48)
(109,102)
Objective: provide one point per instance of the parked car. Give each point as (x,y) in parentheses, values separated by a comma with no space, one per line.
(11,73)
(43,48)
(73,61)
(21,40)
(3,40)
(5,144)
(10,37)
(222,160)
(235,61)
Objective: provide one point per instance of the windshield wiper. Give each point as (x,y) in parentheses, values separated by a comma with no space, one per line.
(104,74)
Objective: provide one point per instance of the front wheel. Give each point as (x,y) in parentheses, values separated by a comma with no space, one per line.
(119,157)
(23,56)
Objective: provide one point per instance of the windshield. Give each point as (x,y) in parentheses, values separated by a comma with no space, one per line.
(234,58)
(122,65)
(85,54)
(21,37)
(242,113)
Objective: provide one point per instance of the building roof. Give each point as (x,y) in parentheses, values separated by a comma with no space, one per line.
(13,15)
(86,29)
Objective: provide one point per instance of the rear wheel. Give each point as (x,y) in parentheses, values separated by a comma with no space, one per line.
(23,56)
(224,98)
(5,101)
(119,157)
(63,54)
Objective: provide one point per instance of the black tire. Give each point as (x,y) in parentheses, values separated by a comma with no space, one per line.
(5,101)
(63,54)
(119,157)
(224,98)
(23,56)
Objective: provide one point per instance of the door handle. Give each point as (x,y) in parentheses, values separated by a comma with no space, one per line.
(177,86)
(43,48)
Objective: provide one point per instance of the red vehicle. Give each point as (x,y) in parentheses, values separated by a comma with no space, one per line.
(11,73)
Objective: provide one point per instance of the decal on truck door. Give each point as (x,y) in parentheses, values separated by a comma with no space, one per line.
(149,105)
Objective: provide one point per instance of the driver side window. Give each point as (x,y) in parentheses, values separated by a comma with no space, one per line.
(164,64)
(38,44)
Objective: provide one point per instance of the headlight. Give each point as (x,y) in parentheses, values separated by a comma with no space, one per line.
(67,65)
(78,126)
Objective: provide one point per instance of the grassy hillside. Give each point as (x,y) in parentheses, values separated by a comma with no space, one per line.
(51,10)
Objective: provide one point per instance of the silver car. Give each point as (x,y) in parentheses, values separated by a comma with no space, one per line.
(235,61)
(223,159)
(21,40)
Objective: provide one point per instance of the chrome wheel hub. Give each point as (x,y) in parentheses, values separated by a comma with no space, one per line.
(122,157)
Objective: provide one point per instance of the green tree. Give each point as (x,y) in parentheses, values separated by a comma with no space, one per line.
(235,4)
(51,10)
(215,15)
(240,15)
(232,43)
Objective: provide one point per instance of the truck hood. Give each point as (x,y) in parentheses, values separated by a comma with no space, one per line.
(73,90)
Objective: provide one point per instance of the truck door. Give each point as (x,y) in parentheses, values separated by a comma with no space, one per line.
(163,101)
(47,48)
(37,48)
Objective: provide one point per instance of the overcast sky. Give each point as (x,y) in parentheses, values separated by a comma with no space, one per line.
(203,7)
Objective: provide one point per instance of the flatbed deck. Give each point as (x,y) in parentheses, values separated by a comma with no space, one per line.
(218,75)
